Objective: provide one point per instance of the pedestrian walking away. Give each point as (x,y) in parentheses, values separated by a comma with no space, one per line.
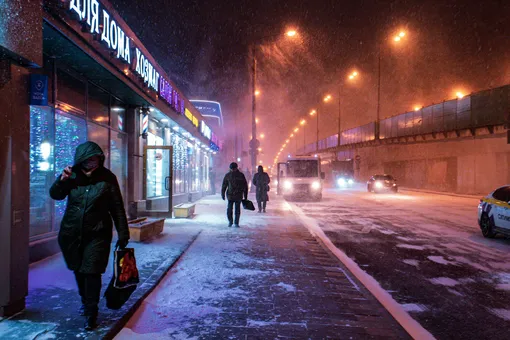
(235,188)
(93,200)
(261,182)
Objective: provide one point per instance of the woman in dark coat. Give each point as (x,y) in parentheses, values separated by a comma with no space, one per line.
(93,200)
(261,181)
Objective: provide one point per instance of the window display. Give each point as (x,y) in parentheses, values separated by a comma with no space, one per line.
(99,135)
(41,169)
(118,152)
(70,131)
(98,104)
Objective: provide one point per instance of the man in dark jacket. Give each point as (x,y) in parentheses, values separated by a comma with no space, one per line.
(261,181)
(236,188)
(93,200)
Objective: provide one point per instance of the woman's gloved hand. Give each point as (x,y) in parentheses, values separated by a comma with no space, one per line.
(122,243)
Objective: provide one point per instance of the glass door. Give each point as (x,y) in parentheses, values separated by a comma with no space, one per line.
(157,174)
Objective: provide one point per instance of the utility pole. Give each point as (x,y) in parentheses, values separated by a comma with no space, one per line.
(254,143)
(378,95)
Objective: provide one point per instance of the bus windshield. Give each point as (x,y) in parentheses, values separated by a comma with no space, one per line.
(303,168)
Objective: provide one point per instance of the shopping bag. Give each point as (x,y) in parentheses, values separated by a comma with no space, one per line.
(124,280)
(248,205)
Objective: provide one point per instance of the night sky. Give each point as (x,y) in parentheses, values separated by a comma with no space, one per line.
(450,46)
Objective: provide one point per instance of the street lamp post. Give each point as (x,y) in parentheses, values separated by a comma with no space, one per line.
(253,142)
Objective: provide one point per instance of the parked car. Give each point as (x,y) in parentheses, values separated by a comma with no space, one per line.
(382,183)
(494,213)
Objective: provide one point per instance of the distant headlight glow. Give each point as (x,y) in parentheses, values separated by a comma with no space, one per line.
(378,185)
(341,182)
(316,185)
(287,185)
(350,181)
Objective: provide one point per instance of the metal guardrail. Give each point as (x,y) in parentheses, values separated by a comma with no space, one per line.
(481,109)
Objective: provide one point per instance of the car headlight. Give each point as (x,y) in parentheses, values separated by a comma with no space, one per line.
(316,185)
(350,181)
(379,185)
(287,185)
(341,182)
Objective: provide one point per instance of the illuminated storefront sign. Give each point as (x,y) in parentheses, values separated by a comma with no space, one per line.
(112,35)
(146,70)
(100,22)
(205,130)
(191,117)
(169,95)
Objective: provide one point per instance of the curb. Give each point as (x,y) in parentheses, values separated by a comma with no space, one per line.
(152,282)
(410,325)
(442,193)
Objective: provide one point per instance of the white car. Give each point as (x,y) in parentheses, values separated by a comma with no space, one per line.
(494,213)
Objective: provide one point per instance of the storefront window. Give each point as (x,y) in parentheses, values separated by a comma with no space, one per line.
(98,104)
(70,131)
(118,166)
(118,115)
(71,91)
(195,178)
(180,161)
(41,169)
(99,135)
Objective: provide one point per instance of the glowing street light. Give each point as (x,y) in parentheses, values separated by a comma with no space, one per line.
(260,149)
(313,112)
(302,122)
(262,136)
(327,98)
(257,92)
(296,129)
(291,135)
(291,33)
(287,141)
(460,95)
(353,75)
(256,120)
(416,108)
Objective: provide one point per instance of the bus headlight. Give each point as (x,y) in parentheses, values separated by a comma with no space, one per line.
(341,182)
(287,185)
(316,185)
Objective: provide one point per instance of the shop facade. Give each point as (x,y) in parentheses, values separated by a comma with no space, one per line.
(89,79)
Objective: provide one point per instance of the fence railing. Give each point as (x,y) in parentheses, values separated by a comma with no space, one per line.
(484,108)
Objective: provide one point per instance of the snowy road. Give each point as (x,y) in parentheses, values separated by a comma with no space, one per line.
(428,252)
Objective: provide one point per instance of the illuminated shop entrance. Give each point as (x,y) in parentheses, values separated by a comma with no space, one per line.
(157,174)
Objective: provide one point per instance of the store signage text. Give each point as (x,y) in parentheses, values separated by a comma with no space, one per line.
(205,130)
(171,96)
(146,70)
(112,35)
(191,117)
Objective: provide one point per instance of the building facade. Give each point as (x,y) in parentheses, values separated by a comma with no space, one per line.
(76,72)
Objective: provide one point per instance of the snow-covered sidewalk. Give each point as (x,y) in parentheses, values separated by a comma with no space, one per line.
(268,279)
(53,301)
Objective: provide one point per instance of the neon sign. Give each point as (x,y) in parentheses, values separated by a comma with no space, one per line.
(191,117)
(146,70)
(205,130)
(112,35)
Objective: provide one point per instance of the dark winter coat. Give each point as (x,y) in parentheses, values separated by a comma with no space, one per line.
(261,180)
(92,202)
(235,186)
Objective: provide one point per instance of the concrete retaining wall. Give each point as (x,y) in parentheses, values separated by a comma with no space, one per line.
(466,166)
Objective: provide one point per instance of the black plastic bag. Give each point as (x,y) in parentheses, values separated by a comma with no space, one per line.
(125,278)
(248,205)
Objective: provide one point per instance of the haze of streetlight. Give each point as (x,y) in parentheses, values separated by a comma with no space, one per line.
(416,108)
(257,92)
(296,129)
(313,112)
(291,33)
(327,98)
(303,122)
(460,95)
